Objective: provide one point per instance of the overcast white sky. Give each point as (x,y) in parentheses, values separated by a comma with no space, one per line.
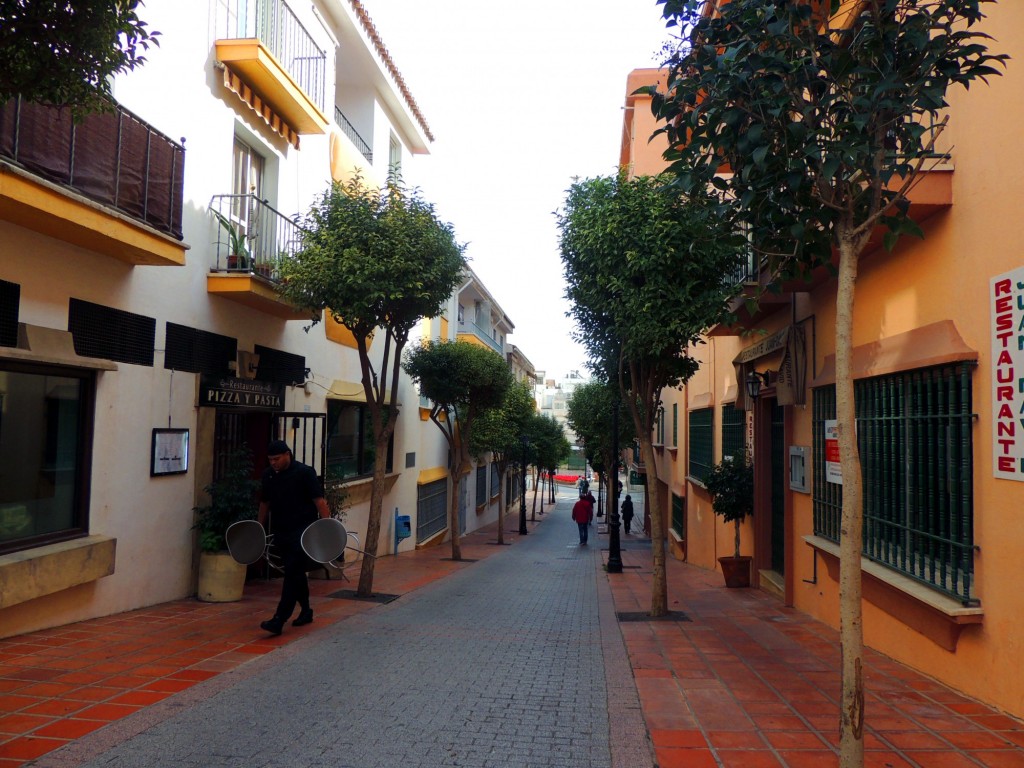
(521,97)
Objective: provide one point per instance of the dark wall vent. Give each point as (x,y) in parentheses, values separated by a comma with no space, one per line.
(198,351)
(10,300)
(112,334)
(280,367)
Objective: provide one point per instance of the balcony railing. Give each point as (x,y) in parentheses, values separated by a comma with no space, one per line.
(352,133)
(467,326)
(113,158)
(252,237)
(274,24)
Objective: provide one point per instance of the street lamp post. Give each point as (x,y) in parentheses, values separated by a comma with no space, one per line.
(614,544)
(522,488)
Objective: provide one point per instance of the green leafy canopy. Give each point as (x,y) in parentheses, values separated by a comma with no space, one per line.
(64,52)
(373,258)
(821,114)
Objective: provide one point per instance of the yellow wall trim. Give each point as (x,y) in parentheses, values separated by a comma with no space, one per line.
(65,215)
(431,475)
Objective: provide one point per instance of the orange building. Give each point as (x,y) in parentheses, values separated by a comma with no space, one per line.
(938,361)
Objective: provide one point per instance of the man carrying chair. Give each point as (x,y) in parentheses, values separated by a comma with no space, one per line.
(292,494)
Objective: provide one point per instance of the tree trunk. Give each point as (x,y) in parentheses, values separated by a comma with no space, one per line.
(502,502)
(851,630)
(533,511)
(380,464)
(453,513)
(659,582)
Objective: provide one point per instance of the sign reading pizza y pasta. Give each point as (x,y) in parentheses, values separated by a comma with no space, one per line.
(1006,296)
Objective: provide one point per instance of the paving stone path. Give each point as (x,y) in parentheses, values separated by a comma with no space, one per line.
(499,665)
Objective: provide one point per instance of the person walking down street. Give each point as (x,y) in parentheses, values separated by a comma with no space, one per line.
(588,496)
(293,497)
(627,513)
(583,513)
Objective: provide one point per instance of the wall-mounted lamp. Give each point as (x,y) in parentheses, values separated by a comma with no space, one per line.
(755,380)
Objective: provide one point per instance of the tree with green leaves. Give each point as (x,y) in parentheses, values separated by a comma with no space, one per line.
(592,408)
(378,261)
(549,447)
(498,431)
(825,115)
(647,272)
(65,52)
(462,381)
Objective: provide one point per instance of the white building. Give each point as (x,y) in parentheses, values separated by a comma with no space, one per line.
(141,332)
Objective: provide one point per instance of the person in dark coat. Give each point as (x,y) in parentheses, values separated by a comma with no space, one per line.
(627,513)
(293,497)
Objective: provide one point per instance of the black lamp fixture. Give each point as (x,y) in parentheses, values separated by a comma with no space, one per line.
(756,380)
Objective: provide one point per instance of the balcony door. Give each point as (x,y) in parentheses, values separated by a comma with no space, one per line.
(247,171)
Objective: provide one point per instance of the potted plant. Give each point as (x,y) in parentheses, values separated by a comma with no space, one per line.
(731,486)
(232,498)
(238,253)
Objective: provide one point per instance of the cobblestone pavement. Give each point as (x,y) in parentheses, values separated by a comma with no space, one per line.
(500,664)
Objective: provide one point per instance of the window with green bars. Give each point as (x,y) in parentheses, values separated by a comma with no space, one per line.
(916,450)
(679,516)
(734,428)
(675,424)
(701,443)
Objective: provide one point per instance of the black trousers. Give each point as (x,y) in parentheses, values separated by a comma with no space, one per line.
(295,585)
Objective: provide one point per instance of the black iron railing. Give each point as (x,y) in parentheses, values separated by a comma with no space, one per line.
(114,158)
(274,24)
(252,236)
(352,133)
(916,450)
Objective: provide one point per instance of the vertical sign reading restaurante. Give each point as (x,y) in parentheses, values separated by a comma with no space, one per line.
(1006,296)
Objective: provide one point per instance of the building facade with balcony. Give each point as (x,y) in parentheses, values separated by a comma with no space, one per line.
(936,330)
(142,333)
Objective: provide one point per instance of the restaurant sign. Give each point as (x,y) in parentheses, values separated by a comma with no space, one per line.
(1006,298)
(246,394)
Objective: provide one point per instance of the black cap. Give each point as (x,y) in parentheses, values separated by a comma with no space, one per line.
(277,447)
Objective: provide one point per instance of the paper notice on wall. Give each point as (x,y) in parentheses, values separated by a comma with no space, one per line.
(833,469)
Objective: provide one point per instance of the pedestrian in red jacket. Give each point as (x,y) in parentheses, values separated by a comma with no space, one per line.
(583,513)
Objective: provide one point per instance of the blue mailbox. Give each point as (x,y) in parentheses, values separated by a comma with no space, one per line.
(403,528)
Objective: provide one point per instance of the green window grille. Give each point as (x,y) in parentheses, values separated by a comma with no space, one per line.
(916,451)
(734,428)
(679,516)
(701,443)
(481,485)
(675,424)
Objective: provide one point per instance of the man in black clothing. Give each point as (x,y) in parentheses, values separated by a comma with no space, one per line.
(293,496)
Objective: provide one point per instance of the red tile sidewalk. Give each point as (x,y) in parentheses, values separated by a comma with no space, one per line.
(748,682)
(60,684)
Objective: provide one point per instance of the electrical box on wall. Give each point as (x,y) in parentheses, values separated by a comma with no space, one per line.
(798,468)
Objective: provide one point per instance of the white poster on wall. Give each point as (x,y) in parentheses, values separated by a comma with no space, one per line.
(1006,297)
(833,469)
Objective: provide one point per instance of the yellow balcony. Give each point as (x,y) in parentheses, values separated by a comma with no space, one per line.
(89,185)
(258,67)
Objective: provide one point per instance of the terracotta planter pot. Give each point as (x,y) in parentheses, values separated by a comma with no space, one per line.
(221,579)
(736,571)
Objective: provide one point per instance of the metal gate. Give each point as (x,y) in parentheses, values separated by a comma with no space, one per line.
(305,435)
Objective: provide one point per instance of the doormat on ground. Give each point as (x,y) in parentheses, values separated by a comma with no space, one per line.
(644,616)
(350,594)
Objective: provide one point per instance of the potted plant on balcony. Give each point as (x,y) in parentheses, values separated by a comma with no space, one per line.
(239,258)
(232,498)
(731,486)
